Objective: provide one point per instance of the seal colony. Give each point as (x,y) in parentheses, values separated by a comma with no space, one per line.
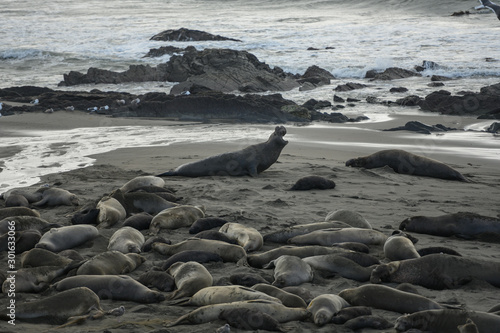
(248,253)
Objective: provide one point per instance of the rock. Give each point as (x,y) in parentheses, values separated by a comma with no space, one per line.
(460,13)
(416,126)
(440,78)
(436,84)
(164,50)
(313,104)
(398,90)
(482,103)
(135,73)
(188,35)
(371,74)
(427,65)
(411,100)
(350,86)
(298,111)
(338,99)
(394,73)
(317,76)
(22,94)
(495,114)
(494,128)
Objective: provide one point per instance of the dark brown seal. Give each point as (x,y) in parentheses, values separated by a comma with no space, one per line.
(249,161)
(313,183)
(407,163)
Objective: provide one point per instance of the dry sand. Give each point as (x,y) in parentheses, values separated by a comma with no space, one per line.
(380,195)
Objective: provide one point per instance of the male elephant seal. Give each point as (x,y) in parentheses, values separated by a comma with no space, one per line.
(210,313)
(58,308)
(176,217)
(190,277)
(290,271)
(249,161)
(387,298)
(111,263)
(126,240)
(247,237)
(57,197)
(324,307)
(63,238)
(399,247)
(447,320)
(438,271)
(114,287)
(463,224)
(407,163)
(313,183)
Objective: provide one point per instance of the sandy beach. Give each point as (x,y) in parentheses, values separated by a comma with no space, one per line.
(382,196)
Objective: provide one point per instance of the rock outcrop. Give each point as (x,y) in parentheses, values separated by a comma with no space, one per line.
(418,127)
(189,35)
(391,73)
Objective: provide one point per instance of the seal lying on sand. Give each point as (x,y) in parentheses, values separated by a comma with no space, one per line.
(249,161)
(407,163)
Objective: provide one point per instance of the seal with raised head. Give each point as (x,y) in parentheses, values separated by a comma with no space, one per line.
(290,271)
(111,263)
(438,271)
(247,237)
(114,287)
(251,160)
(325,306)
(399,247)
(190,277)
(387,298)
(407,163)
(57,197)
(63,238)
(126,240)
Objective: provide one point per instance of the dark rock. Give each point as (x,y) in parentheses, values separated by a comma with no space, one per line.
(135,73)
(484,102)
(351,100)
(350,86)
(371,74)
(313,104)
(440,78)
(411,100)
(416,126)
(164,50)
(494,128)
(436,84)
(426,64)
(188,35)
(495,114)
(460,13)
(316,76)
(338,99)
(394,73)
(22,94)
(312,49)
(398,90)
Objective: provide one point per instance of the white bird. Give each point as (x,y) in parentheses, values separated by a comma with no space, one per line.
(104,107)
(35,101)
(70,108)
(136,101)
(1,106)
(51,110)
(489,5)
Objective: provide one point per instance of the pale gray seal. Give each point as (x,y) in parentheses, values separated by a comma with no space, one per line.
(176,217)
(59,239)
(111,263)
(340,265)
(387,298)
(126,240)
(16,200)
(290,271)
(249,161)
(142,181)
(111,211)
(407,163)
(114,287)
(247,237)
(57,197)
(399,247)
(352,218)
(438,271)
(328,237)
(283,235)
(225,294)
(447,320)
(325,306)
(190,277)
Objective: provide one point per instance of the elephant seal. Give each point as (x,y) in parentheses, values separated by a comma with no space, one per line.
(111,211)
(351,312)
(228,252)
(40,257)
(17,211)
(126,240)
(286,298)
(210,313)
(16,200)
(387,298)
(248,279)
(283,235)
(438,249)
(30,196)
(352,218)
(407,163)
(399,247)
(111,263)
(137,202)
(58,308)
(251,160)
(368,321)
(259,260)
(57,197)
(87,215)
(142,181)
(468,327)
(250,319)
(225,294)
(22,223)
(247,237)
(24,240)
(159,280)
(328,237)
(191,255)
(438,271)
(447,320)
(290,271)
(148,244)
(215,235)
(176,217)
(340,265)
(206,223)
(140,221)
(313,183)
(462,224)
(324,307)
(59,239)
(190,277)
(113,287)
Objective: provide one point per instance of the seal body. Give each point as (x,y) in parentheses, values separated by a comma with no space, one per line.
(283,235)
(111,211)
(126,240)
(59,239)
(40,257)
(407,163)
(324,307)
(176,217)
(290,271)
(190,277)
(111,263)
(286,298)
(227,294)
(327,237)
(400,247)
(249,161)
(340,265)
(191,255)
(206,223)
(247,237)
(313,183)
(57,197)
(142,181)
(352,218)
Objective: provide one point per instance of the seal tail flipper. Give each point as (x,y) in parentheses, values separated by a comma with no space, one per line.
(168,173)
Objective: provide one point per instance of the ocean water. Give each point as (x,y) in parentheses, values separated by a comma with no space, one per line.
(40,41)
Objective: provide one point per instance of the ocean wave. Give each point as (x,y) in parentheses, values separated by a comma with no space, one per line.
(24,54)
